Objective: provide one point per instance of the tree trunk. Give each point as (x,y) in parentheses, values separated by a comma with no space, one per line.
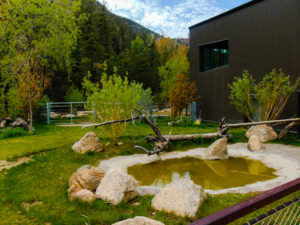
(286,129)
(30,114)
(183,137)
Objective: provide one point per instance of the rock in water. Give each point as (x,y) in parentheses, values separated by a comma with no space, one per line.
(181,197)
(117,186)
(139,220)
(217,150)
(85,195)
(264,132)
(85,177)
(254,143)
(88,143)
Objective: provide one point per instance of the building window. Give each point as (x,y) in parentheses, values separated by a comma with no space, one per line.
(213,55)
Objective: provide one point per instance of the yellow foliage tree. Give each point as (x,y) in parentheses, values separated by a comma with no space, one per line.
(182,94)
(31,83)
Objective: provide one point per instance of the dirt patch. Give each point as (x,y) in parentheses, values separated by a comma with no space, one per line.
(7,164)
(28,205)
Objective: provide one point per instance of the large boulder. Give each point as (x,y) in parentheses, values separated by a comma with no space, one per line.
(85,195)
(254,143)
(88,143)
(181,197)
(117,186)
(264,132)
(217,150)
(85,177)
(139,220)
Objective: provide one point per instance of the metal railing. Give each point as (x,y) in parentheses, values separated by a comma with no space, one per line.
(246,207)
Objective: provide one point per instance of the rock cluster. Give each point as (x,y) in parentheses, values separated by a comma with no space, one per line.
(217,150)
(88,143)
(86,177)
(17,123)
(182,197)
(259,134)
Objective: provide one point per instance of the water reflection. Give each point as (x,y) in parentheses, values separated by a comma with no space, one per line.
(214,175)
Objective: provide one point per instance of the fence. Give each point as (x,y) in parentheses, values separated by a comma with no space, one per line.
(285,214)
(75,112)
(67,113)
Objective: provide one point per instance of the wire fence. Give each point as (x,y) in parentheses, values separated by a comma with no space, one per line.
(285,214)
(76,113)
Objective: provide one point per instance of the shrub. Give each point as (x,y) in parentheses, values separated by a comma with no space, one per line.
(146,99)
(113,101)
(73,94)
(265,100)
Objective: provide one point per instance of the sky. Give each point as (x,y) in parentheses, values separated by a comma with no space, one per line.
(171,18)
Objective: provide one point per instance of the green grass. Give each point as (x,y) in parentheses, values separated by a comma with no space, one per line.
(45,177)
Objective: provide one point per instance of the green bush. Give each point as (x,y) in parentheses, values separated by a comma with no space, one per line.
(263,101)
(73,94)
(115,100)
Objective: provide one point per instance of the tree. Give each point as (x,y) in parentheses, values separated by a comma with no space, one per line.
(31,82)
(182,94)
(141,62)
(166,48)
(263,101)
(44,28)
(174,61)
(113,98)
(168,73)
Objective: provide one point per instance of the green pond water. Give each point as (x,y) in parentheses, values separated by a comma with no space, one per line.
(214,175)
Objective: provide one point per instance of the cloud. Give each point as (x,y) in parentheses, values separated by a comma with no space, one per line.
(171,20)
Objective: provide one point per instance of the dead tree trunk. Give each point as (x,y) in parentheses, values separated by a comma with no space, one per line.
(183,137)
(286,129)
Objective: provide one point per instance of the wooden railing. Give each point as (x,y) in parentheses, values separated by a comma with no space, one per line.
(244,208)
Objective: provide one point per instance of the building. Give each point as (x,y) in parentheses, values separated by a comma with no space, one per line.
(258,36)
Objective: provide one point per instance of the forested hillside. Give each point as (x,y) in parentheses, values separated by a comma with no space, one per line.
(103,36)
(48,47)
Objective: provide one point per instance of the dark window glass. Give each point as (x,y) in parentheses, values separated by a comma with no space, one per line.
(213,55)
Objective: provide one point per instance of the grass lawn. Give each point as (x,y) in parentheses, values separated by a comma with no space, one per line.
(44,179)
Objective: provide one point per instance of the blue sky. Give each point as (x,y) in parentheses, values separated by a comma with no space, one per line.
(170,17)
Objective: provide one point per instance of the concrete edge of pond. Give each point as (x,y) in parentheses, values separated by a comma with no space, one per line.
(284,159)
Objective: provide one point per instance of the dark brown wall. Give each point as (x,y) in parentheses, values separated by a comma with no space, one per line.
(262,36)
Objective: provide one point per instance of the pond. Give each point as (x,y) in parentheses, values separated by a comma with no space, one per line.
(213,175)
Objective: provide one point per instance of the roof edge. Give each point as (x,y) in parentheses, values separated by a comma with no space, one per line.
(253,2)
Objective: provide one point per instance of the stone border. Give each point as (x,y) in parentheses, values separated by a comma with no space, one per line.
(283,158)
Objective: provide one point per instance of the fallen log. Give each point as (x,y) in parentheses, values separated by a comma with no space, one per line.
(183,137)
(281,122)
(287,129)
(111,122)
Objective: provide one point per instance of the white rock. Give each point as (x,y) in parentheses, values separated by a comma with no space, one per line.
(264,132)
(139,220)
(54,115)
(254,143)
(181,197)
(117,186)
(88,143)
(85,195)
(217,150)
